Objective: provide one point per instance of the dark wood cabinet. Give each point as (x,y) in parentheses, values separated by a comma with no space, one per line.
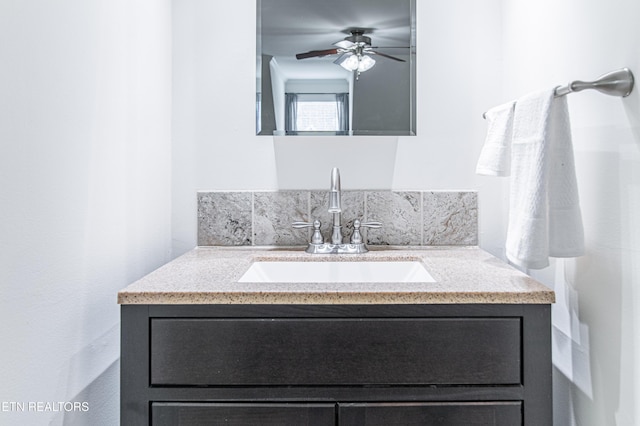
(341,365)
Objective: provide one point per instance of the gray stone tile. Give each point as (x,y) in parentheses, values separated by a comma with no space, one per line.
(450,218)
(400,214)
(274,212)
(224,218)
(408,217)
(352,208)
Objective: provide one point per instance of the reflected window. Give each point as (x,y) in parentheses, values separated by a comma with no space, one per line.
(316,112)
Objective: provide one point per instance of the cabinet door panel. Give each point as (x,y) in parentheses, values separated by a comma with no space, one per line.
(422,351)
(433,414)
(207,414)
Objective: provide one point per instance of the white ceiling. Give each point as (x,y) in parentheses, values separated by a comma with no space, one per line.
(297,26)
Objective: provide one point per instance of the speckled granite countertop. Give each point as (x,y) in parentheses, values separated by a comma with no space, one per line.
(209,275)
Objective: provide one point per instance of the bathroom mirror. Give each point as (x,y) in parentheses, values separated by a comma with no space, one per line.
(335,67)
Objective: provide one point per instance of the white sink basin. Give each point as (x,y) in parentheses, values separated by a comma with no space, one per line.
(327,272)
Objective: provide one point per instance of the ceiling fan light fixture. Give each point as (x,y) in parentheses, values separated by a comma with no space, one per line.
(360,63)
(349,62)
(366,63)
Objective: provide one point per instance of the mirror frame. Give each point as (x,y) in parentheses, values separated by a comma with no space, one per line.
(266,114)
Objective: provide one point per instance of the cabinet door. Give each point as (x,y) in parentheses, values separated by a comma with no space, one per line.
(433,414)
(207,414)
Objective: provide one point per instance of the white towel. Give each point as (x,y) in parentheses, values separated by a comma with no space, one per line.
(495,157)
(544,210)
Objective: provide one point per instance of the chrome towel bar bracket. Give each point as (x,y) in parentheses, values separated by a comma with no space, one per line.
(614,83)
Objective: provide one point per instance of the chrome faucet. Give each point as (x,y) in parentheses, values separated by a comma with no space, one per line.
(317,244)
(335,206)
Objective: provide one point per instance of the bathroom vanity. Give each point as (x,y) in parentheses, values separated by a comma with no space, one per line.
(201,348)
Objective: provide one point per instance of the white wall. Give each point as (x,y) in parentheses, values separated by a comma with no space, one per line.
(214,141)
(84,193)
(597,318)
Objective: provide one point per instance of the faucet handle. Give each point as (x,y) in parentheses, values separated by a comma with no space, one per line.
(301,224)
(372,224)
(317,235)
(356,237)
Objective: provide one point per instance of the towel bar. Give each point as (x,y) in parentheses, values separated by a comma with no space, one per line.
(614,83)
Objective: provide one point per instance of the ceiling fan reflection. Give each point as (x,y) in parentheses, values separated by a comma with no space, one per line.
(355,53)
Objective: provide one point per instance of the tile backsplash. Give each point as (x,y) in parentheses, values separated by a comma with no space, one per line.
(263,218)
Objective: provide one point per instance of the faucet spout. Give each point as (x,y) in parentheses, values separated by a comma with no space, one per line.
(335,206)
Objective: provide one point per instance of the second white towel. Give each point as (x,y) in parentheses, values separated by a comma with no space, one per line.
(495,158)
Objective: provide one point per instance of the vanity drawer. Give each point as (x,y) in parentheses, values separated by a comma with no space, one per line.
(234,414)
(489,413)
(272,352)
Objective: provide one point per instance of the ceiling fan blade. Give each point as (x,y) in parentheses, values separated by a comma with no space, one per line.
(386,56)
(342,57)
(316,53)
(344,44)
